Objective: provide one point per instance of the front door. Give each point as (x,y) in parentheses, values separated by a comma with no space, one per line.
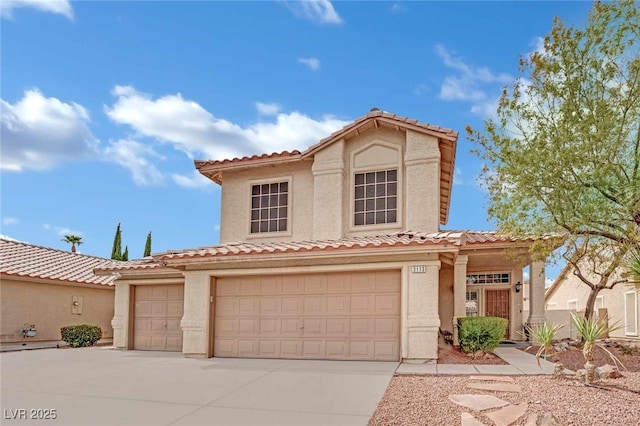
(497,305)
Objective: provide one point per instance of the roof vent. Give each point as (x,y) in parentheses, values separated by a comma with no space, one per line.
(374,109)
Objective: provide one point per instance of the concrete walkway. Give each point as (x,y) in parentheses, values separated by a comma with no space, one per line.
(519,363)
(50,344)
(102,386)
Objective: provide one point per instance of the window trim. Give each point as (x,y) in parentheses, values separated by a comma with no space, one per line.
(635,309)
(262,235)
(399,166)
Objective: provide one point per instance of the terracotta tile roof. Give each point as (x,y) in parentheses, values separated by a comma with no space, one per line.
(443,132)
(274,155)
(26,260)
(145,263)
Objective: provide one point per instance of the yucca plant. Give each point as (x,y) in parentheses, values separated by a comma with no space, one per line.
(544,335)
(591,330)
(634,267)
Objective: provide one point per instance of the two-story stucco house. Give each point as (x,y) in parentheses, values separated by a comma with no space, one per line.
(331,253)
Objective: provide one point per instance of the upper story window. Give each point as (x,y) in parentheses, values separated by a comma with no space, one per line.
(376,197)
(269,207)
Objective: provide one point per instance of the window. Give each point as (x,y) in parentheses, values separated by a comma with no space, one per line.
(631,313)
(472,304)
(474,279)
(376,197)
(269,204)
(552,305)
(572,305)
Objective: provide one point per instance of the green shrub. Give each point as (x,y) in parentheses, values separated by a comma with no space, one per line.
(480,334)
(81,335)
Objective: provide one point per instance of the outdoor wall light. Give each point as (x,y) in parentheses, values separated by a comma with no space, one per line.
(518,287)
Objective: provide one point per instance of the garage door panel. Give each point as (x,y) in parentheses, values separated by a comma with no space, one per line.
(269,348)
(314,327)
(314,316)
(386,326)
(270,285)
(361,304)
(386,350)
(270,327)
(338,304)
(248,348)
(314,305)
(315,284)
(291,305)
(337,327)
(313,349)
(386,304)
(337,349)
(270,306)
(157,316)
(290,327)
(361,349)
(292,284)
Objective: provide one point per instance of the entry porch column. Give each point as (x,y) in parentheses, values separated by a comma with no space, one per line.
(459,293)
(120,321)
(536,294)
(195,319)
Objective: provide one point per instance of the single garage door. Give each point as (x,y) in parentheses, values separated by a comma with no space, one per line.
(349,316)
(157,313)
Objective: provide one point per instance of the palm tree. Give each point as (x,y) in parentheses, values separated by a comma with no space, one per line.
(73,240)
(634,267)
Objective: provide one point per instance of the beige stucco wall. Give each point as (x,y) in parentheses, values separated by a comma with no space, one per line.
(571,288)
(236,202)
(49,306)
(322,188)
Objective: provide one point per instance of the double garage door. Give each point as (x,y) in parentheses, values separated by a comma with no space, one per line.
(348,316)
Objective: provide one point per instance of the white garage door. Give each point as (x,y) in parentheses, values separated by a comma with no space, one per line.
(157,313)
(349,316)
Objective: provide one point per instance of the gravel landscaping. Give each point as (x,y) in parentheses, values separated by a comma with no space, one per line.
(424,400)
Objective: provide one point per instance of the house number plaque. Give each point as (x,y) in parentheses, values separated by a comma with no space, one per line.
(419,269)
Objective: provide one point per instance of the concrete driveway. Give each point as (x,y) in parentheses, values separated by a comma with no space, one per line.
(103,386)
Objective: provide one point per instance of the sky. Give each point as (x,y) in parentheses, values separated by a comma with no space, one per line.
(105,105)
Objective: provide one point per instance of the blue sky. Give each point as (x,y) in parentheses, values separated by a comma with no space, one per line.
(106,104)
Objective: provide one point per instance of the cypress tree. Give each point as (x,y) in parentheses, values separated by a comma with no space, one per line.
(116,250)
(147,246)
(125,255)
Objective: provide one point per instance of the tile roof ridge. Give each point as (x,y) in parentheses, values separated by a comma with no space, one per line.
(23,243)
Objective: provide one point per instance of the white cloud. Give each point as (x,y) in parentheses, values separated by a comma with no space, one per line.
(421,89)
(548,282)
(46,226)
(320,11)
(61,7)
(6,221)
(267,109)
(312,63)
(471,83)
(457,176)
(62,231)
(135,157)
(188,127)
(195,180)
(398,7)
(40,132)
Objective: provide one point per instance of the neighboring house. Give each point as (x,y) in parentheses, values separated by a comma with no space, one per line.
(331,253)
(621,303)
(51,289)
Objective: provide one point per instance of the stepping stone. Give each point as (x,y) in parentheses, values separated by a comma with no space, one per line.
(468,420)
(508,415)
(499,387)
(492,378)
(478,402)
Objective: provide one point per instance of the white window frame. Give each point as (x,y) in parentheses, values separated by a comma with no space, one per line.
(266,235)
(551,305)
(569,302)
(627,330)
